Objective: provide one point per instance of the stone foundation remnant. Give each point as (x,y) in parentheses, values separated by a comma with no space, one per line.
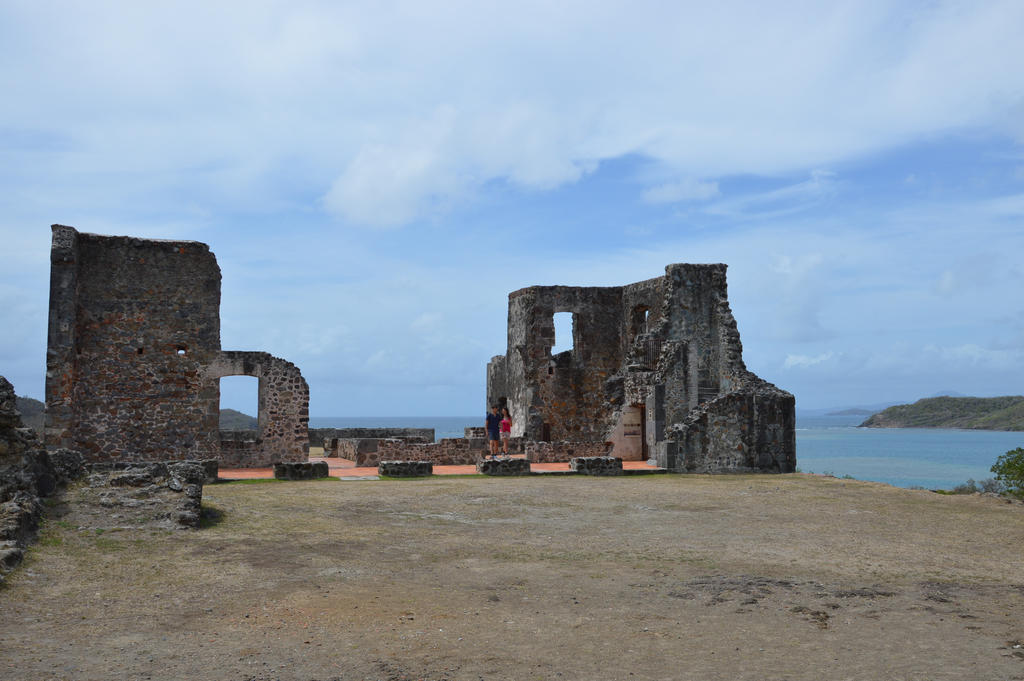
(304,470)
(655,372)
(133,361)
(360,446)
(503,466)
(596,465)
(405,469)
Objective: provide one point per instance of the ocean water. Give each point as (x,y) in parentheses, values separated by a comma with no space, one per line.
(904,457)
(444,426)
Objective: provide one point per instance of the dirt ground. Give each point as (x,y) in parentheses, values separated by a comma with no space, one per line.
(648,577)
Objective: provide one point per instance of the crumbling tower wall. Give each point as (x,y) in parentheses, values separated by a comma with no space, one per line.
(656,371)
(558,396)
(134,334)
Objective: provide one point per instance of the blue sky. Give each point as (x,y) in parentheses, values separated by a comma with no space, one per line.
(375,180)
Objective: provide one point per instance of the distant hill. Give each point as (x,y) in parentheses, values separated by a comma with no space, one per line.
(852,412)
(980,413)
(32,416)
(31,413)
(236,420)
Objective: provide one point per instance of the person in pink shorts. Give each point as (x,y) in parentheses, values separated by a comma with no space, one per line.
(506,429)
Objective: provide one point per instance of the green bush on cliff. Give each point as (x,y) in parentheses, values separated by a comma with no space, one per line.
(1009,469)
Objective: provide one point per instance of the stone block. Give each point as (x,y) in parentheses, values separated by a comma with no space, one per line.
(405,469)
(503,466)
(304,470)
(596,465)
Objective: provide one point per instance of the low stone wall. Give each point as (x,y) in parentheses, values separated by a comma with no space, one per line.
(318,436)
(305,470)
(456,451)
(503,466)
(563,452)
(474,432)
(360,451)
(596,465)
(238,448)
(405,469)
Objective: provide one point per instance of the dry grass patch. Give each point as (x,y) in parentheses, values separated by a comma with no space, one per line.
(704,577)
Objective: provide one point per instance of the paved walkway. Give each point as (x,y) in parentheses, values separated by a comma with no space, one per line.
(340,468)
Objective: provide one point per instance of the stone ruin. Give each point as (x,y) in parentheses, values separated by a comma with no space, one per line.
(655,372)
(150,494)
(133,361)
(361,446)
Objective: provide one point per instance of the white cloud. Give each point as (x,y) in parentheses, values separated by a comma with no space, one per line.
(389,186)
(972,355)
(535,94)
(804,361)
(780,202)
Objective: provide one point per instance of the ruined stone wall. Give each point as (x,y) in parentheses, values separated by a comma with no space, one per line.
(562,452)
(559,397)
(283,411)
(457,451)
(318,436)
(134,362)
(132,323)
(699,315)
(358,450)
(746,430)
(239,448)
(641,314)
(657,366)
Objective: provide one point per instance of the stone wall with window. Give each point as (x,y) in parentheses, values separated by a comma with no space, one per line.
(134,358)
(646,359)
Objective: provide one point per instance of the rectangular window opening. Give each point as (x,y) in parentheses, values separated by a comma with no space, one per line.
(239,403)
(563,322)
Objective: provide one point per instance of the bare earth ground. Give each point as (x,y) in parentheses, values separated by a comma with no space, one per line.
(654,577)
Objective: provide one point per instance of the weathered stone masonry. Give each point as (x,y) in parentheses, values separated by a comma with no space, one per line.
(134,362)
(656,371)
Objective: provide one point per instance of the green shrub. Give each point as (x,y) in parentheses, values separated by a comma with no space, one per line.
(992,486)
(968,487)
(1009,470)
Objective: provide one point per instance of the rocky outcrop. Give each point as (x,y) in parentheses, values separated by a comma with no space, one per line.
(156,494)
(27,475)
